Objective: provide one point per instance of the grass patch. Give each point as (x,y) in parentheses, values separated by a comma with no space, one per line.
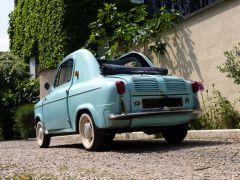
(30,176)
(46,176)
(21,176)
(63,167)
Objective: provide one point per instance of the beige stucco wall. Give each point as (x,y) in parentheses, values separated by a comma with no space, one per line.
(46,76)
(195,47)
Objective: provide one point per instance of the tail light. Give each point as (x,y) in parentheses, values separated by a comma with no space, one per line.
(197,86)
(120,87)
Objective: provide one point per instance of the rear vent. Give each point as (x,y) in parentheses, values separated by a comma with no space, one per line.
(146,85)
(175,85)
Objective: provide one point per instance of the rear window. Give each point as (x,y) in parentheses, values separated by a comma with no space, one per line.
(132,59)
(131,63)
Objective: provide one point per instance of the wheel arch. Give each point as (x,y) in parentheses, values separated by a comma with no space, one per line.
(38,117)
(88,108)
(79,113)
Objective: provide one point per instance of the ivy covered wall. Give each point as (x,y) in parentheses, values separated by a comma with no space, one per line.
(50,29)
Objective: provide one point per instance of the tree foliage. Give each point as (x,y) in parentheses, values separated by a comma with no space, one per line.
(12,70)
(127,30)
(232,65)
(16,89)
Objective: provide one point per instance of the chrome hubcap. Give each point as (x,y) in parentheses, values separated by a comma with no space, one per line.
(39,134)
(87,131)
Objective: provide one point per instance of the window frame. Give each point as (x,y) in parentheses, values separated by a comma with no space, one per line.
(57,77)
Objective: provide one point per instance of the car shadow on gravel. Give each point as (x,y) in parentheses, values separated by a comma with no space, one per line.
(71,146)
(145,146)
(140,146)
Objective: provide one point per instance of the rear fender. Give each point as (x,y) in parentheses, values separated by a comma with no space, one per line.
(98,118)
(38,117)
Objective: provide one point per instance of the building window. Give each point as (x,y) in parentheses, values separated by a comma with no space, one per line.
(64,73)
(32,66)
(186,7)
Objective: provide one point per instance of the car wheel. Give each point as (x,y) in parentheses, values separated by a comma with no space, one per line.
(92,138)
(43,140)
(175,134)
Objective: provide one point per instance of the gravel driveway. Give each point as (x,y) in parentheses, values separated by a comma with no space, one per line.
(143,159)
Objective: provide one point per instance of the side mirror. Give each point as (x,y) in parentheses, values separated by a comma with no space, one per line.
(46,86)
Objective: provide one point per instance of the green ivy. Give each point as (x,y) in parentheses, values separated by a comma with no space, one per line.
(122,31)
(50,29)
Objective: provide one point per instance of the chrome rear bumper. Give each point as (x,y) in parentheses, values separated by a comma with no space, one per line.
(154,112)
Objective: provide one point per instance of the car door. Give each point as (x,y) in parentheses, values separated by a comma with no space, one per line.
(55,107)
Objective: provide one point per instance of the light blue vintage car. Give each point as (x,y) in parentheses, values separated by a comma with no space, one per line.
(99,98)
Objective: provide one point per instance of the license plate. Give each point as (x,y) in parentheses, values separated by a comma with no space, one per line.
(161,102)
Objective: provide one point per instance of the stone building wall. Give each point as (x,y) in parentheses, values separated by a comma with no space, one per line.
(46,76)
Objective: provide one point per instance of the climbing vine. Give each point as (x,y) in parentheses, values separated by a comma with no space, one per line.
(50,29)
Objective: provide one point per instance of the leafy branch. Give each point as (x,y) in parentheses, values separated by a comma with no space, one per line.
(117,32)
(232,66)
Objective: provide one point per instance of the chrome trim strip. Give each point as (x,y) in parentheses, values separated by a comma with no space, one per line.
(155,112)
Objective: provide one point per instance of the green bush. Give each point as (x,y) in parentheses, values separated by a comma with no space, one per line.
(1,131)
(16,89)
(28,91)
(24,121)
(6,123)
(12,71)
(232,65)
(217,113)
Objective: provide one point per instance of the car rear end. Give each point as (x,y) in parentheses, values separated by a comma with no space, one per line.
(153,101)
